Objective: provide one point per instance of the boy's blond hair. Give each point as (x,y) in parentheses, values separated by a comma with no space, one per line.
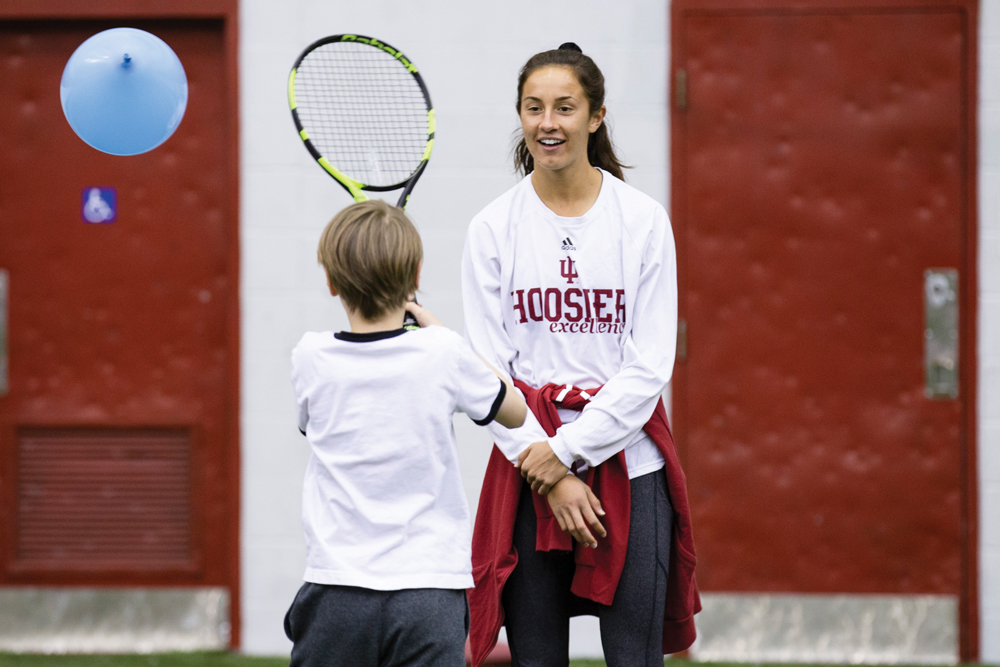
(371,253)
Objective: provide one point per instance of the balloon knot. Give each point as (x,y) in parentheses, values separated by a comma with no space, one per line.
(127,61)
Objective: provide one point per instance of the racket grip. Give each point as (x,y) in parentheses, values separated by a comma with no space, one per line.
(409,321)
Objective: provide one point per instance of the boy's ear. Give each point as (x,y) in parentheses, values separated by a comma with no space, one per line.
(416,283)
(333,290)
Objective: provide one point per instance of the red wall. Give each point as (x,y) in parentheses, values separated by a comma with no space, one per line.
(119,442)
(823,159)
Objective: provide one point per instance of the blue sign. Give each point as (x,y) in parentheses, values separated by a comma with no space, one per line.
(100,205)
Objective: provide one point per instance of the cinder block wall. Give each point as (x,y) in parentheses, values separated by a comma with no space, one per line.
(469,55)
(989,329)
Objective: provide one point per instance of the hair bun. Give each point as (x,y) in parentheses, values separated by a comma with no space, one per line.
(570,46)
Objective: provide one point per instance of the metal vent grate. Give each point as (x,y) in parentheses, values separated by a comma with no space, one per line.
(104,499)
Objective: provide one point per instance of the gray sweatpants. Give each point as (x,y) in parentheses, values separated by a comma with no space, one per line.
(537,601)
(345,626)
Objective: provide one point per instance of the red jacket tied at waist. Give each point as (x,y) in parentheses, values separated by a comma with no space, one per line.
(597,570)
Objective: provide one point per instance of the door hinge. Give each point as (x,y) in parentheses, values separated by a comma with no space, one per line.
(682,340)
(681,89)
(4,300)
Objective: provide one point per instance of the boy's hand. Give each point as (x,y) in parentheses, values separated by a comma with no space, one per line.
(576,508)
(425,318)
(541,467)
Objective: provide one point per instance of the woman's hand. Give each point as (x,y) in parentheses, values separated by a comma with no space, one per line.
(576,509)
(541,467)
(425,318)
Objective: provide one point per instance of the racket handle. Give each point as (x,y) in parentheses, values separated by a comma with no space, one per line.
(409,321)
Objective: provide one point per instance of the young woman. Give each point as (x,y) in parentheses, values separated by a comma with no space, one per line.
(569,284)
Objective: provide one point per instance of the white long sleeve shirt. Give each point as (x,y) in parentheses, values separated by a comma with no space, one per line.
(582,301)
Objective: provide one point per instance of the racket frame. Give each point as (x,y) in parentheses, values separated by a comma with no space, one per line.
(354,187)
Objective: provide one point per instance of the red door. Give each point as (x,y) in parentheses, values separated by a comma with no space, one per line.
(821,166)
(117,430)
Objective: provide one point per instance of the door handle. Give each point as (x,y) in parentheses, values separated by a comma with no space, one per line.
(941,333)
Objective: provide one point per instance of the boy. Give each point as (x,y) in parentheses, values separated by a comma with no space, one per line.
(384,511)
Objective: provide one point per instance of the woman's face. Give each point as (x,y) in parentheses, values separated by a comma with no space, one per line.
(556,118)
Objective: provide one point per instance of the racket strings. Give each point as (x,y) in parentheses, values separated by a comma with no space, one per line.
(363,111)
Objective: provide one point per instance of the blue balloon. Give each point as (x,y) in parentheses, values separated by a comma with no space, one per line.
(124,91)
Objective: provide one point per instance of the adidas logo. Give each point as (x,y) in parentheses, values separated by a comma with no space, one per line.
(567,244)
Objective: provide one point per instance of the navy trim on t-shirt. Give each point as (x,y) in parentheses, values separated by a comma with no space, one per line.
(352,337)
(496,406)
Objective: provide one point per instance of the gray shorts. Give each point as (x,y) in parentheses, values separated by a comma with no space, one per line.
(345,626)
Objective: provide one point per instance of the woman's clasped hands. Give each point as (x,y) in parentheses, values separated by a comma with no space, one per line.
(573,503)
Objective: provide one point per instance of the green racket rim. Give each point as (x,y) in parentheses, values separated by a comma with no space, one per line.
(353,186)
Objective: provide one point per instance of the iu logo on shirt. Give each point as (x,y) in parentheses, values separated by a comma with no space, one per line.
(567,269)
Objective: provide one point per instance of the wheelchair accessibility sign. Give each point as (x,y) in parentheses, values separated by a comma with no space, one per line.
(100,205)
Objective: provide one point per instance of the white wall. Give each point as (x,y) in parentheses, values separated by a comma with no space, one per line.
(989,329)
(469,54)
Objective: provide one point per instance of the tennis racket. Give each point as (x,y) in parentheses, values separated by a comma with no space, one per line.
(363,113)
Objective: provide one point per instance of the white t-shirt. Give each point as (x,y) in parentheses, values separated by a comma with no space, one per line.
(582,301)
(383,505)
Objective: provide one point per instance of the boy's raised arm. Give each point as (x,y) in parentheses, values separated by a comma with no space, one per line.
(513,408)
